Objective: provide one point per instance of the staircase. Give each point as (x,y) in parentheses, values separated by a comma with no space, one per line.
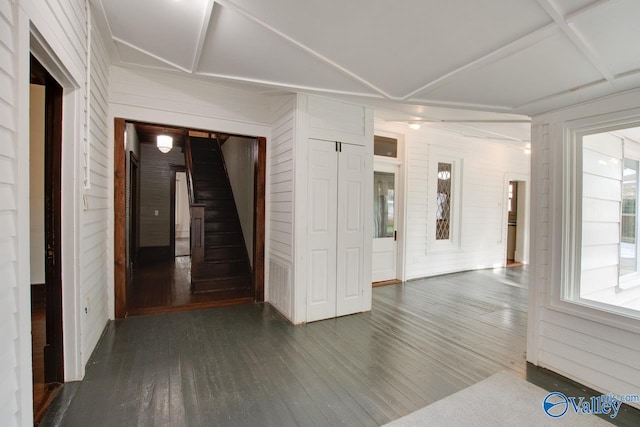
(219,256)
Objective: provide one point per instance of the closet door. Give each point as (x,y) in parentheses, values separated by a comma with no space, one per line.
(322,220)
(350,241)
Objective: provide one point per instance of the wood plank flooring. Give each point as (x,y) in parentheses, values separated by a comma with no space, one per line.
(246,365)
(163,287)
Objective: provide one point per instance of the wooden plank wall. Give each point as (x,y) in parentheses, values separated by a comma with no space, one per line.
(280,205)
(93,231)
(595,348)
(9,315)
(483,208)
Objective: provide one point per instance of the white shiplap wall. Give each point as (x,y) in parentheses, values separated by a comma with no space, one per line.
(486,167)
(61,27)
(11,369)
(595,348)
(280,207)
(93,233)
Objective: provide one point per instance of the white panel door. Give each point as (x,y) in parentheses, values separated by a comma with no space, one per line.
(351,234)
(322,220)
(385,246)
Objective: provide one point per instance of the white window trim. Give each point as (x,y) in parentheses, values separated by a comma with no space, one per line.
(632,280)
(453,244)
(566,296)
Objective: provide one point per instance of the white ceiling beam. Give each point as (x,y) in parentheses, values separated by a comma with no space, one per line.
(578,41)
(507,50)
(459,105)
(246,14)
(559,94)
(458,121)
(292,87)
(105,27)
(204,29)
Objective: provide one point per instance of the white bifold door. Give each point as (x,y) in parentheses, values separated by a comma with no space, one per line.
(336,229)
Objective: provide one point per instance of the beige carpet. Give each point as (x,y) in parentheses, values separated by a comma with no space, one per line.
(500,400)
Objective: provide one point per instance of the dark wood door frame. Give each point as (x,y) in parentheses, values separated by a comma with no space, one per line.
(53,350)
(119,207)
(120,282)
(172,209)
(133,212)
(259,225)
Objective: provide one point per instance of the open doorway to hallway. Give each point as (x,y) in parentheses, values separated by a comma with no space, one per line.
(182,216)
(515,224)
(193,215)
(45,148)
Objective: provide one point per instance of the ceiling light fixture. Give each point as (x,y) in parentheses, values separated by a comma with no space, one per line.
(164,143)
(414,125)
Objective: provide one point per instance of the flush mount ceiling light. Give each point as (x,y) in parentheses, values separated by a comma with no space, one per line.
(164,143)
(414,125)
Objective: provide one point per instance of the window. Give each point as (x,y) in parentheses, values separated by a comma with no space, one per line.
(443,202)
(602,220)
(384,146)
(629,219)
(383,195)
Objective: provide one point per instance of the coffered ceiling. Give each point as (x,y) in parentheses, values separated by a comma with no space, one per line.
(519,57)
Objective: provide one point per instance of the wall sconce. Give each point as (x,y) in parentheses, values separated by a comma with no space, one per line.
(164,143)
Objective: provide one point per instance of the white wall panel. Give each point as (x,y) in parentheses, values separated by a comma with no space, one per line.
(240,159)
(590,346)
(486,167)
(280,204)
(93,219)
(11,369)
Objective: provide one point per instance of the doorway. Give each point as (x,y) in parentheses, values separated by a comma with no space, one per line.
(45,171)
(385,242)
(161,280)
(181,216)
(513,223)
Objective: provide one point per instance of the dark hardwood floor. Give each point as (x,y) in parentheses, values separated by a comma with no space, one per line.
(246,365)
(43,393)
(160,287)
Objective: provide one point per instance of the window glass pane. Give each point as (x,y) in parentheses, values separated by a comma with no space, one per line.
(443,202)
(383,146)
(609,218)
(383,209)
(628,226)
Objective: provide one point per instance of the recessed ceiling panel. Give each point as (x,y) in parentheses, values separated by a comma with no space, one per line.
(613,31)
(399,46)
(169,29)
(131,56)
(547,68)
(237,47)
